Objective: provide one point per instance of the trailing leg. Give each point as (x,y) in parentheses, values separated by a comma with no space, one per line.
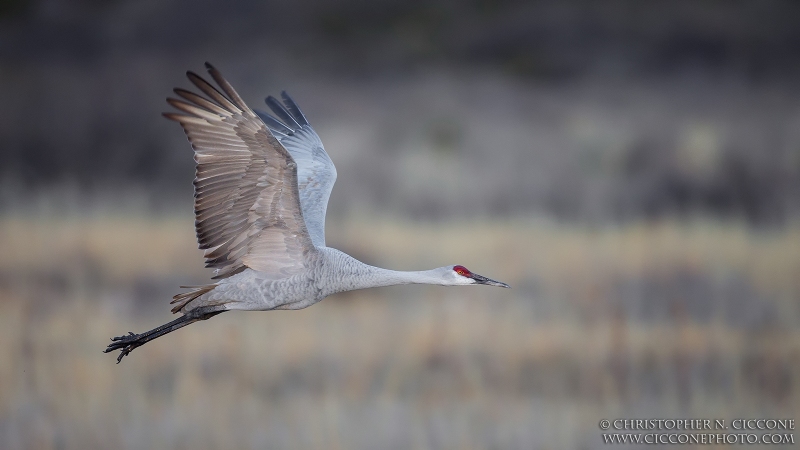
(126,344)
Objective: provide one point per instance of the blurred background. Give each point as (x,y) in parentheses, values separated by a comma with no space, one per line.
(632,169)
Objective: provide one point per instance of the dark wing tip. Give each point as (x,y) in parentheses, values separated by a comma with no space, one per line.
(295,111)
(279,110)
(214,73)
(191,75)
(286,98)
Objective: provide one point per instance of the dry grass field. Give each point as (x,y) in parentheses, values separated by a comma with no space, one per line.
(665,320)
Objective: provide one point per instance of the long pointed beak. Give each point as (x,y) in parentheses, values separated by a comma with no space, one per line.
(488,281)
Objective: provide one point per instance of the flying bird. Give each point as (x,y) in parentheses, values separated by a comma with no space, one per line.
(261,191)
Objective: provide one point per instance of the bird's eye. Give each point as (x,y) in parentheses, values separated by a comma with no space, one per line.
(461,270)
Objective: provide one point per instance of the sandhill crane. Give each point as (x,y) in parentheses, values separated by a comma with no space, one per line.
(261,191)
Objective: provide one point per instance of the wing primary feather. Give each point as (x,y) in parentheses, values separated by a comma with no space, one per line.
(174,116)
(281,112)
(294,109)
(223,83)
(194,110)
(212,92)
(274,124)
(184,118)
(200,101)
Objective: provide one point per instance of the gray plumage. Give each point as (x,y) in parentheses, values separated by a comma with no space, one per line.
(262,186)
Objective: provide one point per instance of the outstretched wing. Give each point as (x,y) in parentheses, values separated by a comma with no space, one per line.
(247,206)
(315,171)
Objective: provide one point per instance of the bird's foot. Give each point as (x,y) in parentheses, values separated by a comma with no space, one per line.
(125,344)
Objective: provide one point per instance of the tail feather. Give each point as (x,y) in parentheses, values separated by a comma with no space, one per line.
(184,298)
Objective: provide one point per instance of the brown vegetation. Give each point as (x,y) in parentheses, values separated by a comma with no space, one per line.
(663,319)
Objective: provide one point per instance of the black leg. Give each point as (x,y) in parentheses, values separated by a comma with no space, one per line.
(126,344)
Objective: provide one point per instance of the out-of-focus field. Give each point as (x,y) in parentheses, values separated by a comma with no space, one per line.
(658,320)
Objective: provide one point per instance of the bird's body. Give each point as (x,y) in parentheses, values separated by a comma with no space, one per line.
(331,271)
(261,193)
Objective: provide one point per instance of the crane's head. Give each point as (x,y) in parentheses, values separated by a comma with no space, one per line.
(460,275)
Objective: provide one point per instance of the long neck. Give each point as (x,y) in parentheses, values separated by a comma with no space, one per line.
(346,273)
